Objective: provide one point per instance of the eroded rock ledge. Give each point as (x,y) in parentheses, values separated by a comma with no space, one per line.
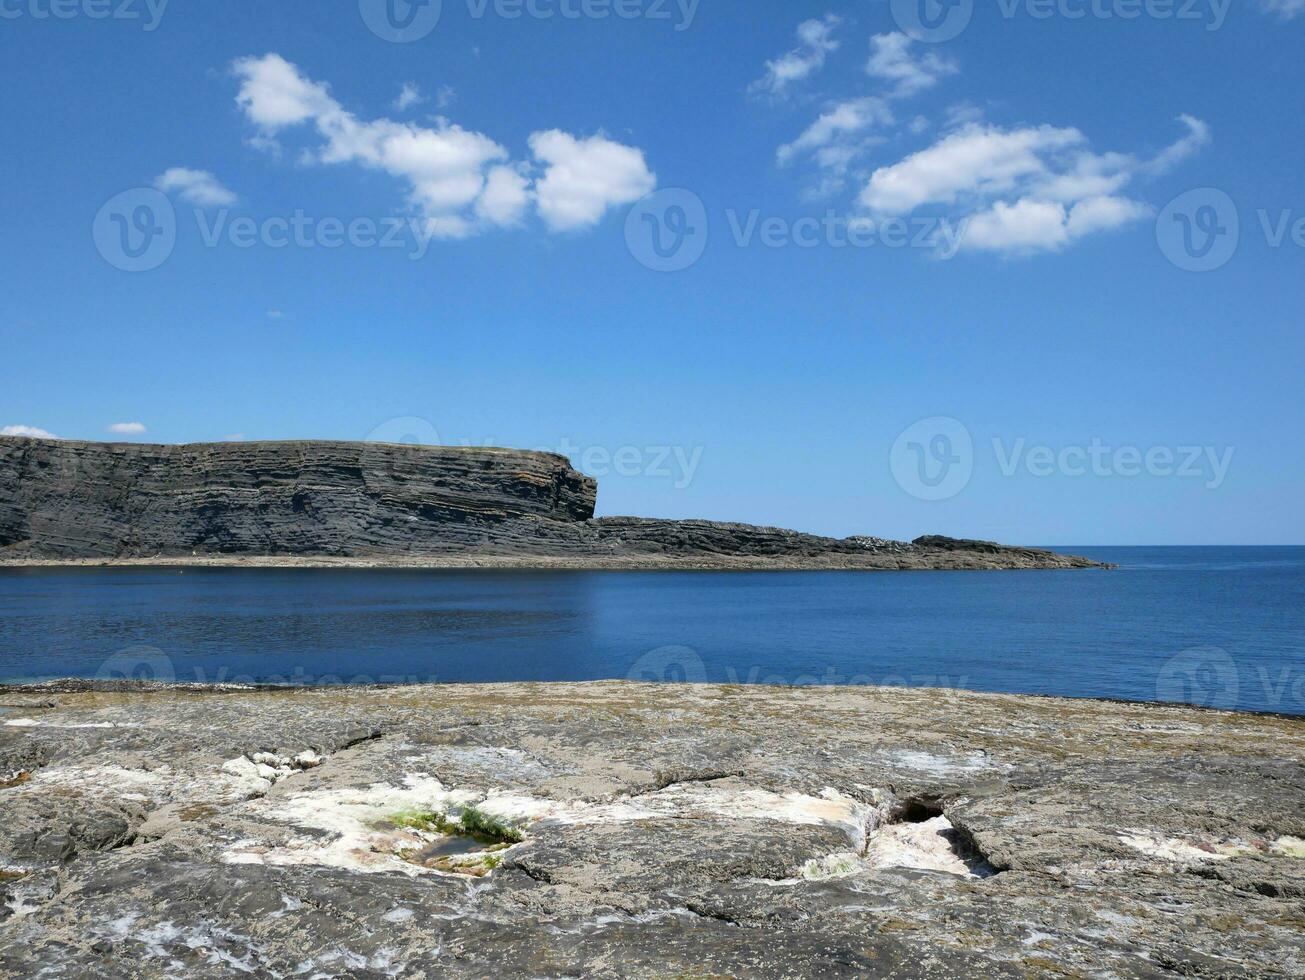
(624,830)
(291,503)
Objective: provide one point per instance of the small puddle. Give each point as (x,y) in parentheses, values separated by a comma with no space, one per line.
(454,845)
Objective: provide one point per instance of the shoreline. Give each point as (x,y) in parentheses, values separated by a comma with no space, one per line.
(90,685)
(954,561)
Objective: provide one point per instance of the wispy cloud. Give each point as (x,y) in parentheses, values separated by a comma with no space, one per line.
(409,96)
(197,187)
(893,59)
(1286,9)
(127,429)
(847,128)
(815,42)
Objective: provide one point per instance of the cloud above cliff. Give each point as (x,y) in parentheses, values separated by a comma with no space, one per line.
(127,429)
(461,181)
(28,431)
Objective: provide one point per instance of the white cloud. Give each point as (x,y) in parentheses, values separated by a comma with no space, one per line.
(275,314)
(1286,9)
(1023,190)
(583,178)
(127,428)
(459,180)
(506,196)
(1033,225)
(195,186)
(274,95)
(892,60)
(975,160)
(446,96)
(815,42)
(1198,136)
(842,133)
(409,96)
(840,121)
(27,431)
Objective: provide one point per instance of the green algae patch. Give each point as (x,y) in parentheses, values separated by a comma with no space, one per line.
(469,843)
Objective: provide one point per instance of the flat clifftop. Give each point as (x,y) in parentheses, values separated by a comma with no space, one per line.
(628,831)
(366,504)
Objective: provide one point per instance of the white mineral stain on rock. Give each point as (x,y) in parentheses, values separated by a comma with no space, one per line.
(940,765)
(363,837)
(359,822)
(928,846)
(1210,849)
(33,723)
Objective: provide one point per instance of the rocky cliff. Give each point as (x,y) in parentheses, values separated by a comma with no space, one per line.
(392,504)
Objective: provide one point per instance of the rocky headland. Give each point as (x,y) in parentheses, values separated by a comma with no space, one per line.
(625,830)
(360,503)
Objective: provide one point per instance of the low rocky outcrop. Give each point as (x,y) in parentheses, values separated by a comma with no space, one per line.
(375,503)
(619,830)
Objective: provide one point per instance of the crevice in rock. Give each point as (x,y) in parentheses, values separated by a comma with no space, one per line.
(667,780)
(916,809)
(700,911)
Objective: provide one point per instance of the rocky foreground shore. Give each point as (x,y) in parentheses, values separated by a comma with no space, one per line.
(622,830)
(365,504)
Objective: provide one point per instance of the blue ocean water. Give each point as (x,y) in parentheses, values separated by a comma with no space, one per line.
(1216,626)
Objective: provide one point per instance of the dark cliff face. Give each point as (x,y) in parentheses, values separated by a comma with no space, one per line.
(384,502)
(81,499)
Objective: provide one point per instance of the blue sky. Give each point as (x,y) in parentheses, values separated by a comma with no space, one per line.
(1022,344)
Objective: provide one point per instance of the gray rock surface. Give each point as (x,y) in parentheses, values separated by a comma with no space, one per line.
(372,503)
(667,831)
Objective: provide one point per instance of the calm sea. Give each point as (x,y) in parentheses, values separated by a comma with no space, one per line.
(1216,626)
